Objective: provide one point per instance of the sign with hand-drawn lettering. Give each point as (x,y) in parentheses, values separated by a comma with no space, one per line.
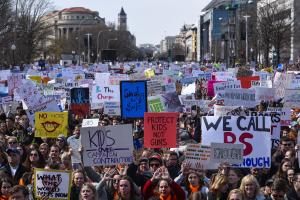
(90,122)
(160,130)
(51,124)
(253,132)
(230,153)
(105,93)
(155,104)
(108,145)
(133,99)
(14,81)
(80,101)
(198,156)
(54,184)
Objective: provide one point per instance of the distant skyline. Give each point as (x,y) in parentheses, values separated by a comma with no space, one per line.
(149,20)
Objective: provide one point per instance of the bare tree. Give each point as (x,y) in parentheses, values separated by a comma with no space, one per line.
(274,25)
(31,28)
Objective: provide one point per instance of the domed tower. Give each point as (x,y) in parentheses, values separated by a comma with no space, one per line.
(122,20)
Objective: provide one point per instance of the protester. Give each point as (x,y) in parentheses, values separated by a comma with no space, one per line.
(6,186)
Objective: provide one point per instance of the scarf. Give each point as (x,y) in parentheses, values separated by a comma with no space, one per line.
(194,188)
(165,198)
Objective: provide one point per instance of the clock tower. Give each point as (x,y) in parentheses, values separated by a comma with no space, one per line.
(122,20)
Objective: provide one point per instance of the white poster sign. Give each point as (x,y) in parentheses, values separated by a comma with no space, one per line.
(240,97)
(292,98)
(230,153)
(112,108)
(108,145)
(223,110)
(90,122)
(105,93)
(253,132)
(264,94)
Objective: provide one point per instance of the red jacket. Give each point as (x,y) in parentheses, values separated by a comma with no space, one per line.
(177,192)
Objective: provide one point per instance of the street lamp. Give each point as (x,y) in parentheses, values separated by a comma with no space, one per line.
(251,50)
(246,18)
(98,36)
(13,48)
(89,49)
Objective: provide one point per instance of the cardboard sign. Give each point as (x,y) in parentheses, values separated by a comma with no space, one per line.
(90,122)
(292,98)
(112,108)
(171,102)
(133,99)
(240,97)
(230,153)
(160,130)
(105,93)
(54,184)
(156,104)
(108,145)
(199,157)
(51,124)
(223,110)
(253,132)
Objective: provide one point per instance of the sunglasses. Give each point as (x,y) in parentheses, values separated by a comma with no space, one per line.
(33,154)
(154,165)
(12,142)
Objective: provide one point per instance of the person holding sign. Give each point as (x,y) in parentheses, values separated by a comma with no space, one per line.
(167,188)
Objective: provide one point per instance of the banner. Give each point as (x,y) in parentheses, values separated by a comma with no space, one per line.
(80,101)
(133,99)
(240,97)
(156,104)
(292,98)
(108,145)
(230,153)
(54,184)
(90,122)
(253,132)
(51,124)
(105,93)
(112,108)
(198,156)
(160,130)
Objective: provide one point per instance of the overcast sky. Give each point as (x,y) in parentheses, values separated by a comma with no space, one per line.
(149,20)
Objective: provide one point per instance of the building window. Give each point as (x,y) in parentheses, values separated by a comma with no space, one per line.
(77,17)
(82,17)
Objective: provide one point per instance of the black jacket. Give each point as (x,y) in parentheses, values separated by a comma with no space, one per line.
(19,173)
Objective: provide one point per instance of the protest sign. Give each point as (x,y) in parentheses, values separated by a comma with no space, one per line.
(90,122)
(54,184)
(133,99)
(156,104)
(14,81)
(280,84)
(171,102)
(160,130)
(51,124)
(154,87)
(170,87)
(108,145)
(230,153)
(80,101)
(246,81)
(198,156)
(253,132)
(49,106)
(4,74)
(112,108)
(210,87)
(292,98)
(240,97)
(275,126)
(285,114)
(223,110)
(102,78)
(115,79)
(264,94)
(105,93)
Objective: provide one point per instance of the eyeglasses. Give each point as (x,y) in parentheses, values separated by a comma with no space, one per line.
(33,154)
(154,165)
(12,142)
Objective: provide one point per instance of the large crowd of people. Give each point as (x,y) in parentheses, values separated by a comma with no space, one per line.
(161,174)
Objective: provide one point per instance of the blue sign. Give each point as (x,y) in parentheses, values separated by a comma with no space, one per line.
(133,99)
(80,95)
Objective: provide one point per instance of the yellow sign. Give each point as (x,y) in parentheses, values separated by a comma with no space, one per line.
(51,124)
(37,79)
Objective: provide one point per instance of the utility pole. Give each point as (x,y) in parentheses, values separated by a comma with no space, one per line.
(89,49)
